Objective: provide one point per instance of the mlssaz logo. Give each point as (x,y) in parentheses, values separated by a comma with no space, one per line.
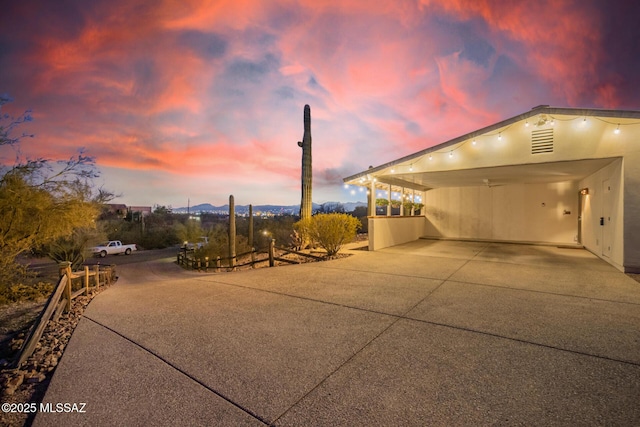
(63,407)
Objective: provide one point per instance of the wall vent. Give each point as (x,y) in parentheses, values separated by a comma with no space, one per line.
(541,141)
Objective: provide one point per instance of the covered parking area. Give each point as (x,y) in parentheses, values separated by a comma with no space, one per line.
(549,176)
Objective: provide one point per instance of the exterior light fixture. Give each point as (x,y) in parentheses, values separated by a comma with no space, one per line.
(526,124)
(473,142)
(584,191)
(450,153)
(500,136)
(617,131)
(411,168)
(430,157)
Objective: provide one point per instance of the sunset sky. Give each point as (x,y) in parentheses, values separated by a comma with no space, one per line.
(185,99)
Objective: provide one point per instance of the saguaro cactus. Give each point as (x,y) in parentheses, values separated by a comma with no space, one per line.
(305,204)
(232,232)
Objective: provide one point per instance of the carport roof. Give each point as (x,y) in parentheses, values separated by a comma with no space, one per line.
(527,173)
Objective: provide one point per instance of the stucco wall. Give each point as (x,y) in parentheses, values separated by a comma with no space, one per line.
(631,173)
(593,208)
(544,213)
(395,230)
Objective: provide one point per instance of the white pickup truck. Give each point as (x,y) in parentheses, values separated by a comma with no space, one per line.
(113,247)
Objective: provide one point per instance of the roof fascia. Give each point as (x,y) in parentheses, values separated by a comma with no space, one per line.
(542,109)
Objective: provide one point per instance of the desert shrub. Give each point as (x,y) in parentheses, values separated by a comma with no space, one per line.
(156,235)
(74,247)
(25,292)
(218,245)
(330,231)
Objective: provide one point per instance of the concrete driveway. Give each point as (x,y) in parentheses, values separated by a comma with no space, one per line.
(425,333)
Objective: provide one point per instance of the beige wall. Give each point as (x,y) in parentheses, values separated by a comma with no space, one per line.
(544,213)
(394,230)
(631,173)
(605,241)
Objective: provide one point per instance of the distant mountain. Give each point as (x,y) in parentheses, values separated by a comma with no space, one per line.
(274,209)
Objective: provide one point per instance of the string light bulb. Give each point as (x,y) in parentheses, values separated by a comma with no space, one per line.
(500,136)
(473,142)
(451,153)
(430,157)
(617,131)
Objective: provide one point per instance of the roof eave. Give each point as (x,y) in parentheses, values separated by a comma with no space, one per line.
(542,109)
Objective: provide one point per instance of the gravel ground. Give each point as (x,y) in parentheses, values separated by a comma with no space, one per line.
(28,383)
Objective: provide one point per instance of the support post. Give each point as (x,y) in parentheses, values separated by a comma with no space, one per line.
(372,198)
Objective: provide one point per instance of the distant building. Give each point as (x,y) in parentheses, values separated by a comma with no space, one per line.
(116,209)
(144,210)
(558,176)
(121,210)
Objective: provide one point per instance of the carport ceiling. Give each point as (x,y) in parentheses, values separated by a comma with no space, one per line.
(500,175)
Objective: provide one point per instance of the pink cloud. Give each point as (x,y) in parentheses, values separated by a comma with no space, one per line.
(216,89)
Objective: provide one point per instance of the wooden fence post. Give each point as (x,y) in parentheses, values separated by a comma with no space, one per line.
(67,289)
(97,271)
(86,280)
(272,245)
(62,267)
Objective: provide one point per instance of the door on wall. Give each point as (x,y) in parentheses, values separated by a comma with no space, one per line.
(605,220)
(580,213)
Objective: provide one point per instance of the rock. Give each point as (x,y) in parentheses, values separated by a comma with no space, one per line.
(35,377)
(16,381)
